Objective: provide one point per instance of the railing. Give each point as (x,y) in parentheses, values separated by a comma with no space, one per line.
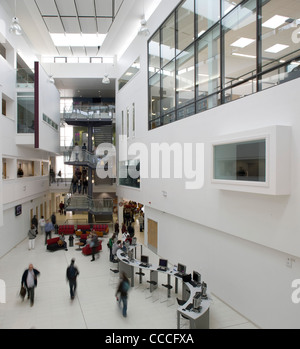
(74,203)
(90,113)
(25,78)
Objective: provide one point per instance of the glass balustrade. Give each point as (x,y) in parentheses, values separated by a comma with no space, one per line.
(102,206)
(94,112)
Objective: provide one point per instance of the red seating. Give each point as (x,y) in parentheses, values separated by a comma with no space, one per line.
(87,250)
(52,241)
(101,228)
(83,227)
(66,229)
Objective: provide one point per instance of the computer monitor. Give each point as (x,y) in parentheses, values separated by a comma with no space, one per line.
(181,268)
(163,263)
(145,259)
(196,277)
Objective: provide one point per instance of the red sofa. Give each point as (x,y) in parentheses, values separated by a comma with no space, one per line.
(66,229)
(84,227)
(87,250)
(101,228)
(52,245)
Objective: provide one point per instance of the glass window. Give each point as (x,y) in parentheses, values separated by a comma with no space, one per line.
(168,88)
(154,97)
(229,5)
(25,112)
(208,13)
(186,24)
(245,161)
(280,31)
(186,77)
(168,40)
(239,28)
(130,73)
(129,173)
(208,63)
(154,54)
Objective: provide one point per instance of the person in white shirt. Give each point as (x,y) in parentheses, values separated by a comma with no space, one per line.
(42,224)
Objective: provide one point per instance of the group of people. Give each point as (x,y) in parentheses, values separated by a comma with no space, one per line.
(47,227)
(31,274)
(80,182)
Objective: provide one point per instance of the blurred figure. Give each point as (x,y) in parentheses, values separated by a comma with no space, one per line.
(29,281)
(49,227)
(94,245)
(72,273)
(122,293)
(35,222)
(31,237)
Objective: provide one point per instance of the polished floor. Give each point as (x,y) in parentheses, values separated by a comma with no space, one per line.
(95,306)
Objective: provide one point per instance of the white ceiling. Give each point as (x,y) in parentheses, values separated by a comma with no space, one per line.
(119,19)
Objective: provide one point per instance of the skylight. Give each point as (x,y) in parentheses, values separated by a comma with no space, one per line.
(77,40)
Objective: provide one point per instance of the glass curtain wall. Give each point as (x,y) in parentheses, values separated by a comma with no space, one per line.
(208,53)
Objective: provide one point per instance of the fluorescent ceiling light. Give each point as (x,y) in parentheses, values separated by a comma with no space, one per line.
(77,40)
(275,22)
(242,42)
(242,55)
(276,48)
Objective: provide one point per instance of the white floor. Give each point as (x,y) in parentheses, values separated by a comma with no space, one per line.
(95,305)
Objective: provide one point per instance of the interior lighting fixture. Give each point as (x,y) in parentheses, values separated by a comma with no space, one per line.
(276,48)
(242,55)
(106,80)
(144,29)
(15,27)
(242,42)
(275,22)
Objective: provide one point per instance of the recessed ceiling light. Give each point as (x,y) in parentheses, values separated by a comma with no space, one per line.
(275,22)
(242,55)
(242,42)
(276,48)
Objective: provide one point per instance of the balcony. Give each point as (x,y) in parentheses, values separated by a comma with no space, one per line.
(86,204)
(97,115)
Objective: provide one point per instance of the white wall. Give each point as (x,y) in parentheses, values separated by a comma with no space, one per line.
(249,277)
(49,103)
(241,241)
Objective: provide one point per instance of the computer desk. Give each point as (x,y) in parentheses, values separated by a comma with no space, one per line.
(198,319)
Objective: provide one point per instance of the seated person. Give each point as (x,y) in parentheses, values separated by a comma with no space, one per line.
(59,245)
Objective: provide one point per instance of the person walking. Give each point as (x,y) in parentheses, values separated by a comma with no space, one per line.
(29,280)
(94,246)
(31,237)
(42,224)
(35,222)
(72,273)
(49,227)
(122,292)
